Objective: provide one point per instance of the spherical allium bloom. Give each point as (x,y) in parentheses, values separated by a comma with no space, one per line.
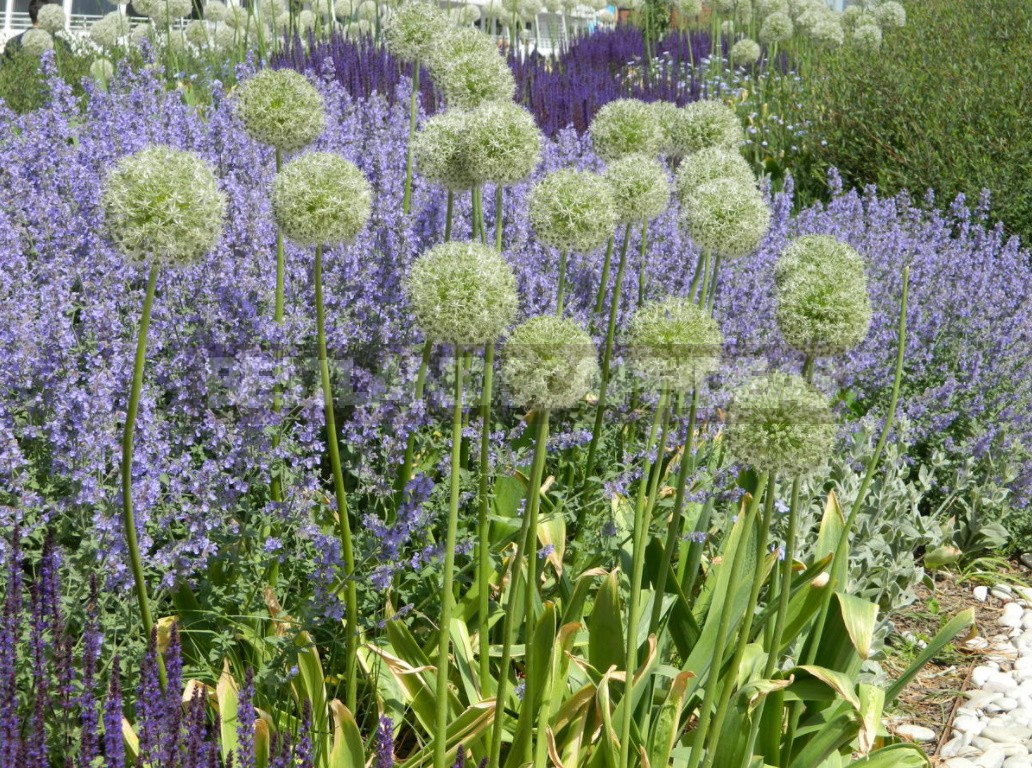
(765,8)
(743,13)
(572,210)
(711,164)
(723,6)
(673,343)
(222,35)
(745,52)
(704,124)
(343,10)
(640,188)
(320,198)
(822,303)
(102,70)
(367,11)
(161,203)
(665,114)
(413,28)
(140,33)
(215,10)
(890,14)
(270,9)
(548,363)
(455,42)
(726,216)
(779,423)
(110,30)
(776,28)
(828,32)
(529,9)
(463,293)
(164,10)
(468,15)
(493,9)
(237,17)
(36,41)
(851,16)
(306,20)
(689,7)
(197,32)
(502,143)
(439,151)
(279,107)
(282,22)
(470,79)
(358,30)
(867,37)
(52,18)
(624,127)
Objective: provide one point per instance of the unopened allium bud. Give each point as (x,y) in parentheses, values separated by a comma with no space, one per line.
(572,210)
(110,30)
(745,52)
(36,41)
(102,70)
(503,143)
(470,79)
(711,164)
(704,124)
(867,37)
(413,28)
(726,216)
(779,423)
(673,343)
(215,10)
(279,107)
(624,127)
(439,151)
(890,14)
(52,18)
(549,363)
(822,303)
(463,293)
(641,190)
(776,28)
(320,198)
(161,203)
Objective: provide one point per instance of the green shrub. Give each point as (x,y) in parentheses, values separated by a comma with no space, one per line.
(945,106)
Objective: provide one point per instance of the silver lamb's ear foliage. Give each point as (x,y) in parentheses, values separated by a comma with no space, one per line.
(321,199)
(463,293)
(502,143)
(726,216)
(623,127)
(280,108)
(163,204)
(549,363)
(711,164)
(823,307)
(779,423)
(703,124)
(413,28)
(641,190)
(572,210)
(674,343)
(439,151)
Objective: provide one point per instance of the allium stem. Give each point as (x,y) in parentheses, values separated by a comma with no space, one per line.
(499,192)
(704,285)
(697,275)
(604,281)
(128,521)
(641,262)
(562,284)
(448,216)
(483,523)
(344,524)
(447,598)
(711,297)
(406,203)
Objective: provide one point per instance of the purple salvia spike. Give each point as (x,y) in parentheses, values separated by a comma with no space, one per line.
(150,707)
(460,757)
(10,625)
(114,749)
(90,735)
(246,717)
(303,756)
(385,743)
(173,738)
(36,748)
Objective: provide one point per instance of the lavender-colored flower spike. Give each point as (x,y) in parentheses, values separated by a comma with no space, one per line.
(321,199)
(114,749)
(384,743)
(280,108)
(246,718)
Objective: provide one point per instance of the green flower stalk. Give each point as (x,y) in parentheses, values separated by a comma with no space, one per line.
(463,294)
(321,199)
(711,164)
(162,207)
(623,127)
(822,303)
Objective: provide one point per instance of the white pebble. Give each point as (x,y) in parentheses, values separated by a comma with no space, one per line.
(914,732)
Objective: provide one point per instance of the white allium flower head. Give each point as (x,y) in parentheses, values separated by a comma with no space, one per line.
(280,108)
(726,216)
(673,343)
(463,293)
(52,18)
(271,9)
(665,114)
(306,20)
(503,143)
(689,7)
(823,307)
(493,9)
(640,188)
(163,204)
(765,8)
(548,363)
(164,10)
(320,198)
(711,164)
(572,210)
(624,127)
(367,11)
(724,6)
(776,28)
(553,6)
(140,33)
(529,9)
(439,150)
(457,41)
(890,14)
(102,70)
(215,10)
(344,10)
(413,29)
(867,37)
(222,36)
(851,15)
(745,52)
(111,30)
(237,17)
(469,14)
(828,32)
(197,32)
(468,80)
(702,124)
(779,423)
(743,13)
(36,41)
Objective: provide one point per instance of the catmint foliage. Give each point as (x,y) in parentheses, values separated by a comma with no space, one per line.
(708,165)
(745,52)
(549,363)
(281,108)
(673,343)
(439,150)
(822,302)
(463,293)
(502,143)
(413,28)
(640,188)
(726,216)
(320,198)
(164,204)
(572,210)
(623,127)
(779,423)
